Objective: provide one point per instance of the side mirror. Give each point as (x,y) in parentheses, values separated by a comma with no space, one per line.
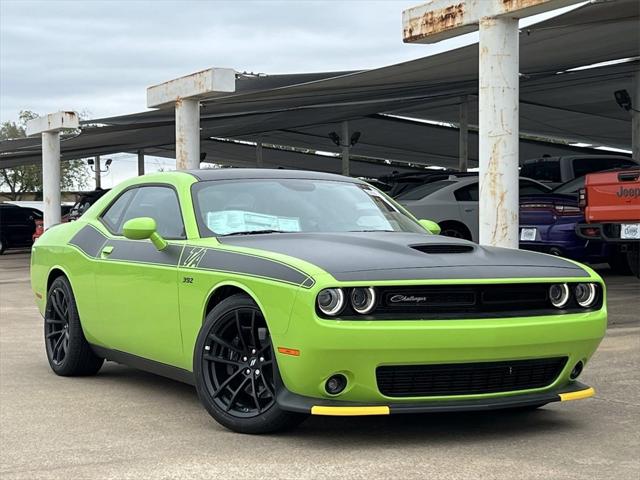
(142,228)
(431,226)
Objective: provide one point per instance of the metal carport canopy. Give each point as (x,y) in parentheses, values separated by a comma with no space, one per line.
(301,109)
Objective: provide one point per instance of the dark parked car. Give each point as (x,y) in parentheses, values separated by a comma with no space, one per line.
(555,171)
(548,224)
(17,225)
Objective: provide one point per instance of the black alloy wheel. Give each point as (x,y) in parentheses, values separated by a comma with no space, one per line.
(235,370)
(68,351)
(56,325)
(238,363)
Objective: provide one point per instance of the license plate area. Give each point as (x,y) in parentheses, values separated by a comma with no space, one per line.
(630,231)
(528,234)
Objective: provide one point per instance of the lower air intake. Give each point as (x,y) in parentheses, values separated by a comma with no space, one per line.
(467,378)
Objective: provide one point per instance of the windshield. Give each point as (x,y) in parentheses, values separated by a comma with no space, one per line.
(572,186)
(293,205)
(423,190)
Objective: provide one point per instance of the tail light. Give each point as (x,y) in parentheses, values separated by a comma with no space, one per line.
(582,198)
(566,210)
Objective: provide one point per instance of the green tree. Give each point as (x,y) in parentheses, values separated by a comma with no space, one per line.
(16,181)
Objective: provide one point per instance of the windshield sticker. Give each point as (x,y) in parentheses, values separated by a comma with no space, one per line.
(232,221)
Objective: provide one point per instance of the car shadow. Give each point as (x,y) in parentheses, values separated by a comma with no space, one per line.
(325,431)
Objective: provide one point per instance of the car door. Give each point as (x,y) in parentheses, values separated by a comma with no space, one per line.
(467,199)
(137,283)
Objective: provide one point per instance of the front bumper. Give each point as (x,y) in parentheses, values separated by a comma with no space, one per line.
(356,348)
(296,403)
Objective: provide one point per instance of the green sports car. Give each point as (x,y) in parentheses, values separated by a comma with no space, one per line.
(280,294)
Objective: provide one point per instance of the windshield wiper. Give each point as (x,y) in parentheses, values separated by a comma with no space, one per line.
(254,232)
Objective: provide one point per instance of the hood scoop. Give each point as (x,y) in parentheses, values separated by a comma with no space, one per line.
(443,248)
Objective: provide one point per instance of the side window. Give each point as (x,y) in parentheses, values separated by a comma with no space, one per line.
(159,203)
(470,193)
(584,166)
(112,218)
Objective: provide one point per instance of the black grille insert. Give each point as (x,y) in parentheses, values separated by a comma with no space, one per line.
(443,248)
(468,378)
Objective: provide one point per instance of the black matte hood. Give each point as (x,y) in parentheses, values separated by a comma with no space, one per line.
(406,256)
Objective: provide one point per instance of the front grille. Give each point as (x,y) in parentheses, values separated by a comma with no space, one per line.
(467,378)
(466,301)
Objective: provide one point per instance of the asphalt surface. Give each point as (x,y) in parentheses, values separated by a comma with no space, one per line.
(128,424)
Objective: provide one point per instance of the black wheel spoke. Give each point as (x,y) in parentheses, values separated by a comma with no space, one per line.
(254,332)
(57,347)
(216,359)
(53,320)
(227,382)
(266,386)
(235,393)
(254,393)
(239,327)
(225,344)
(56,306)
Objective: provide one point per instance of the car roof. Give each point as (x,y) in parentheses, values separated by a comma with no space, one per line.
(265,173)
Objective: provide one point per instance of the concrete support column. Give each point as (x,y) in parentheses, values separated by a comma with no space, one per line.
(50,127)
(184,94)
(635,117)
(187,134)
(140,162)
(345,143)
(51,194)
(97,172)
(463,135)
(499,131)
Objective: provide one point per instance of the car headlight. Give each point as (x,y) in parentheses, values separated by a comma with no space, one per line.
(363,300)
(559,294)
(331,301)
(586,294)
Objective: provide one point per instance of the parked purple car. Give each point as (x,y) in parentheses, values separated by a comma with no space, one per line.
(548,222)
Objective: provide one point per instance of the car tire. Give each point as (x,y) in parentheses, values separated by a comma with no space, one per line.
(620,263)
(455,230)
(235,369)
(2,246)
(633,260)
(68,351)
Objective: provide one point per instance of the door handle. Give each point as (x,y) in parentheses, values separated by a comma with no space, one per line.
(107,250)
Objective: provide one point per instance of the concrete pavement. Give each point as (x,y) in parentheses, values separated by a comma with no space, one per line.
(128,424)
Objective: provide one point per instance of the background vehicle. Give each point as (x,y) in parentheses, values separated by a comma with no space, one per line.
(558,170)
(72,212)
(611,202)
(453,203)
(399,183)
(17,225)
(548,222)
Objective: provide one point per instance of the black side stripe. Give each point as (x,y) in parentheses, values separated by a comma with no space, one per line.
(143,251)
(243,263)
(91,242)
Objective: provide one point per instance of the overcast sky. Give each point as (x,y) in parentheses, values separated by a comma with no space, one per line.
(99,56)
